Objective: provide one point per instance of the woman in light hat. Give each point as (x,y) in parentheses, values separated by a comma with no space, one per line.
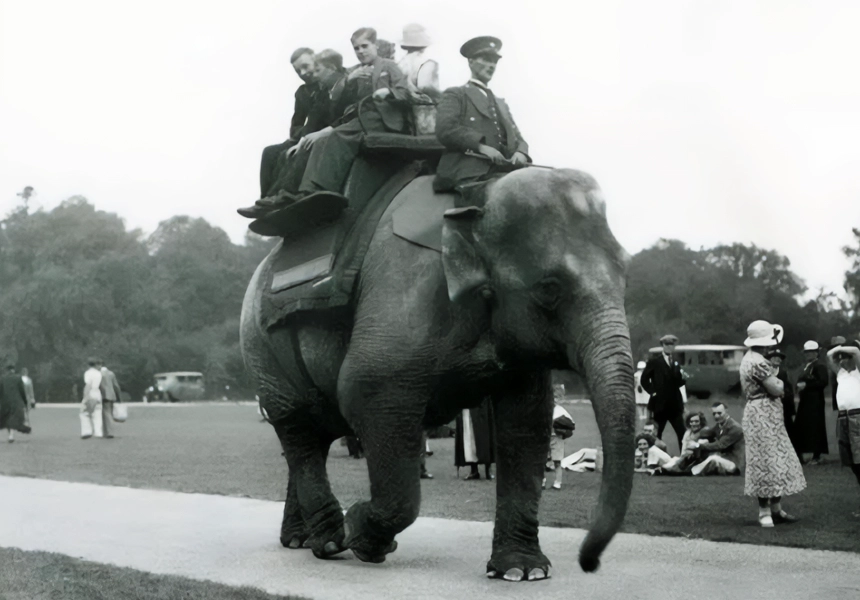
(423,75)
(809,426)
(772,467)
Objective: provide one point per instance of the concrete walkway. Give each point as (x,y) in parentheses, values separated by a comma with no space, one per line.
(235,541)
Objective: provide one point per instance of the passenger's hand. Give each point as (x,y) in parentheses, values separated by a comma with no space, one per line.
(519,159)
(381,94)
(307,142)
(292,150)
(497,157)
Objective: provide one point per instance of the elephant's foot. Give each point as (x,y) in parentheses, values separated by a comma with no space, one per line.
(366,541)
(327,538)
(294,539)
(294,532)
(519,565)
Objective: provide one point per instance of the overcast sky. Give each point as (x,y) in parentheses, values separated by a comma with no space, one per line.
(705,121)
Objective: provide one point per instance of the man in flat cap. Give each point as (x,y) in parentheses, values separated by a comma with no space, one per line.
(472,118)
(662,378)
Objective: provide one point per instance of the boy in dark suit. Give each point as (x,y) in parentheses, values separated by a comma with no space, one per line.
(471,118)
(662,378)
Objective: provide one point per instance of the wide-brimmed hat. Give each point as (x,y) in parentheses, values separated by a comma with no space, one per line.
(810,346)
(836,340)
(415,36)
(762,333)
(485,45)
(669,339)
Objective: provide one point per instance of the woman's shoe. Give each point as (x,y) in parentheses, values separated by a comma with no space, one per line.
(543,484)
(472,476)
(556,486)
(765,520)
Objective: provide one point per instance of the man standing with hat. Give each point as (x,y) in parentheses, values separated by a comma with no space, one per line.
(809,425)
(470,118)
(662,378)
(844,360)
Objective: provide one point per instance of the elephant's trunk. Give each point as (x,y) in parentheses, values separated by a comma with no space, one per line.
(606,361)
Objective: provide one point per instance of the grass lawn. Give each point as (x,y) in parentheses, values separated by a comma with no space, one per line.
(225,449)
(47,576)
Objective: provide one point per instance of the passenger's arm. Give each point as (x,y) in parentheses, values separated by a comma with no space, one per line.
(428,80)
(831,361)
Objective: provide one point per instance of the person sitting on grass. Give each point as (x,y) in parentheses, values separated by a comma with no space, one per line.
(696,424)
(725,443)
(649,456)
(650,428)
(844,360)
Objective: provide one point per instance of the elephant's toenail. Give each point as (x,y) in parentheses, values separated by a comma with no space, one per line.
(331,548)
(491,574)
(295,542)
(514,575)
(535,574)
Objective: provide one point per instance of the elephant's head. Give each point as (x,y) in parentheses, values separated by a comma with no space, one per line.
(541,256)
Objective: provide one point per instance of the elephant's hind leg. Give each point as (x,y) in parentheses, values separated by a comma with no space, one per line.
(312,515)
(294,532)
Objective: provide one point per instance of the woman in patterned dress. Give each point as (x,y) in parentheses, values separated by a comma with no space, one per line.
(772,467)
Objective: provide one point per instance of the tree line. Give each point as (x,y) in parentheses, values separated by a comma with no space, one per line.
(74,282)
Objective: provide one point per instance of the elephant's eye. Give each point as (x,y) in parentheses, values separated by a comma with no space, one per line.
(547,293)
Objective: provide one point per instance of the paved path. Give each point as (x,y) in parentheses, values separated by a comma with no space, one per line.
(234,541)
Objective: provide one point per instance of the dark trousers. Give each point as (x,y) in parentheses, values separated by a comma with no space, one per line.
(675,420)
(289,175)
(269,165)
(329,164)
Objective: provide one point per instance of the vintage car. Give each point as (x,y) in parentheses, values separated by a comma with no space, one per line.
(709,368)
(176,386)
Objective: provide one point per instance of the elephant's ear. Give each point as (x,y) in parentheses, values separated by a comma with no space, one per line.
(464,269)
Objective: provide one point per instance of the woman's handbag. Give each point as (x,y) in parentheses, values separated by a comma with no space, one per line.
(120,412)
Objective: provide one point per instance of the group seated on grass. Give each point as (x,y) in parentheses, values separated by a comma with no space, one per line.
(717,450)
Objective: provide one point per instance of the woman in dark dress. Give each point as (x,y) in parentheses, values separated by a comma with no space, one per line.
(810,428)
(776,357)
(475,440)
(13,403)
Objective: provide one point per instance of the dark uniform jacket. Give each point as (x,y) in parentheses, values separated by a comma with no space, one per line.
(664,384)
(465,118)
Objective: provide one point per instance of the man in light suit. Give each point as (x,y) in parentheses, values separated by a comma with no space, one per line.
(91,404)
(110,394)
(662,378)
(470,118)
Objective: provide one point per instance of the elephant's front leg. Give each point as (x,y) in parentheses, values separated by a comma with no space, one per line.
(523,418)
(390,431)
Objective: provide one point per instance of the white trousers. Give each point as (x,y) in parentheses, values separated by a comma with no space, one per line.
(715,465)
(91,419)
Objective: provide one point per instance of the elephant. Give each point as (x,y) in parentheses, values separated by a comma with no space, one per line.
(531,281)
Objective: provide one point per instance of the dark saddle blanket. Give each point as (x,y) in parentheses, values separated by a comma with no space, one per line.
(317,270)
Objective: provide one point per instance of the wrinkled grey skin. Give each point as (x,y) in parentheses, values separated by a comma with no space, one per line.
(534,281)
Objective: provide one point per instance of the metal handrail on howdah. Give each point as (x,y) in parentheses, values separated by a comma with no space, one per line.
(507,162)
